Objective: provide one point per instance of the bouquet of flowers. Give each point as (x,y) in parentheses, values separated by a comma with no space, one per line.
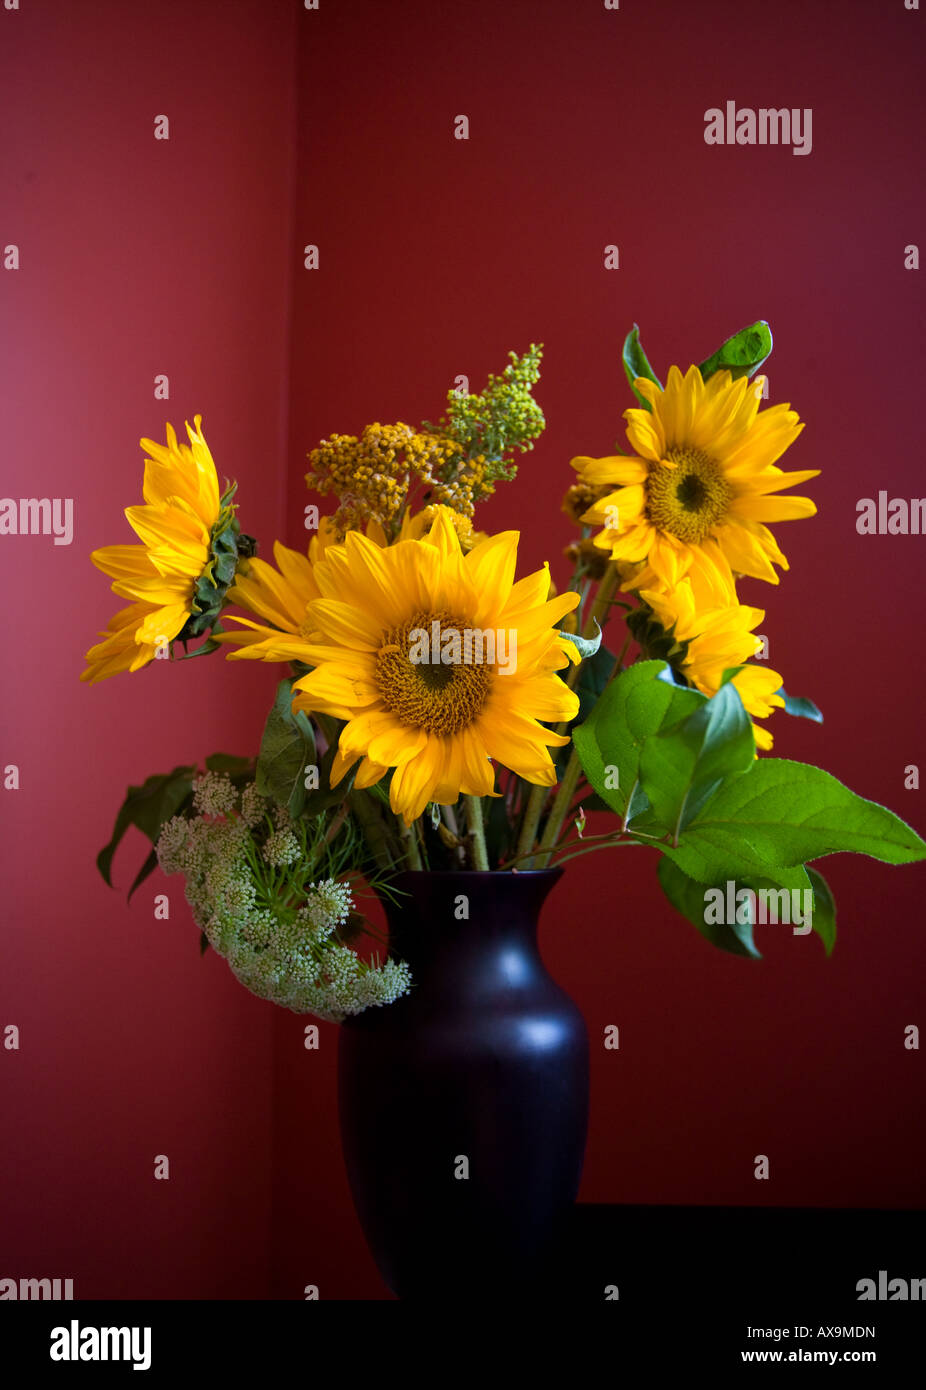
(440,713)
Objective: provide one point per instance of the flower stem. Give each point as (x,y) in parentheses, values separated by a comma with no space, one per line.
(532,812)
(592,842)
(560,807)
(372,826)
(538,796)
(449,818)
(474,826)
(410,841)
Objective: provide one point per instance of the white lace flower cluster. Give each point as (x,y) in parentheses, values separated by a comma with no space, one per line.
(244,867)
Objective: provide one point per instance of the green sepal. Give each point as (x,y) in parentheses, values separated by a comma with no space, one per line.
(227,545)
(742,354)
(654,641)
(585,646)
(210,645)
(636,364)
(210,587)
(800,705)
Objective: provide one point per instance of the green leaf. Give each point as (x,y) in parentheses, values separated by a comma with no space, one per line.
(782,814)
(287,747)
(636,364)
(240,768)
(210,645)
(594,674)
(824,909)
(591,801)
(688,898)
(324,795)
(682,767)
(742,354)
(635,706)
(147,868)
(147,807)
(734,932)
(800,705)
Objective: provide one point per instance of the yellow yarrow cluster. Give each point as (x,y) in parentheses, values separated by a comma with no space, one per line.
(456,482)
(373,475)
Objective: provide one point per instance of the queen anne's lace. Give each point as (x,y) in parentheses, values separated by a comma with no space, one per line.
(289,955)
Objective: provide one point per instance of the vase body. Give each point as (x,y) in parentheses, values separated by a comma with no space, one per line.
(464,1104)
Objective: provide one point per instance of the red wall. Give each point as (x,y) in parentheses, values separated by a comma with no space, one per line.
(436,257)
(138,257)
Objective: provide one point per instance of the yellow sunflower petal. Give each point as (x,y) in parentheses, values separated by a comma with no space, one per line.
(490,565)
(773,508)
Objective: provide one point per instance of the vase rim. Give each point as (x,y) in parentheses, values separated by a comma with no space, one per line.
(554,870)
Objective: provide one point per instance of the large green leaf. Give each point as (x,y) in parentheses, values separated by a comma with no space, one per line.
(636,364)
(783,813)
(742,354)
(147,807)
(635,706)
(287,748)
(682,767)
(735,932)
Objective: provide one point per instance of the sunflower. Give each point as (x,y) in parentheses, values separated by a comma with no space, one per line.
(437,717)
(281,596)
(709,586)
(415,524)
(717,639)
(704,479)
(177,577)
(131,640)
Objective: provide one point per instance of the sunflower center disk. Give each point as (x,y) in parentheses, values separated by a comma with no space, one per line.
(688,500)
(431,673)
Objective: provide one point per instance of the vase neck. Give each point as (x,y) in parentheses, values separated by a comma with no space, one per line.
(463,917)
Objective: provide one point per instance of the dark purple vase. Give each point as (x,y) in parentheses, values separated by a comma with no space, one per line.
(464,1105)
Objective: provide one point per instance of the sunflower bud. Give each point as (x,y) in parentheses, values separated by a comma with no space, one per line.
(591,560)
